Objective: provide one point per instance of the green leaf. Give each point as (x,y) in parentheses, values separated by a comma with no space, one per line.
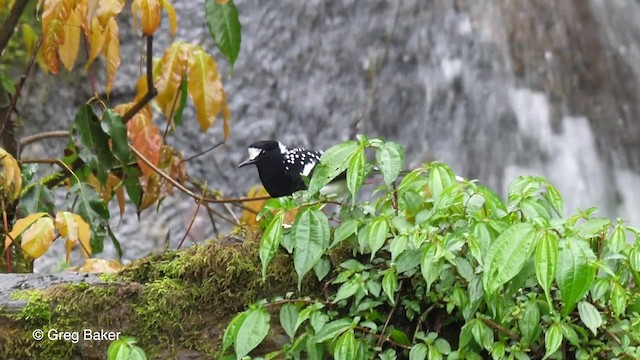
(355,173)
(90,206)
(288,319)
(618,299)
(618,239)
(552,340)
(590,316)
(529,323)
(593,227)
(430,265)
(311,234)
(440,178)
(575,273)
(177,117)
(546,261)
(332,330)
(231,332)
(7,84)
(332,163)
(224,27)
(37,198)
(252,331)
(378,232)
(270,241)
(398,246)
(507,255)
(346,290)
(346,346)
(112,125)
(92,143)
(390,284)
(442,346)
(342,232)
(314,351)
(322,268)
(408,260)
(418,352)
(132,184)
(125,349)
(390,159)
(555,199)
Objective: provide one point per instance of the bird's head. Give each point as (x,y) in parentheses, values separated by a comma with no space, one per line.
(261,150)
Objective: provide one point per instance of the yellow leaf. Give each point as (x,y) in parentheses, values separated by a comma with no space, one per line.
(30,38)
(171,69)
(94,266)
(205,88)
(107,10)
(148,11)
(20,225)
(59,10)
(53,37)
(252,208)
(73,227)
(145,137)
(111,52)
(69,50)
(11,179)
(171,13)
(141,88)
(37,239)
(96,39)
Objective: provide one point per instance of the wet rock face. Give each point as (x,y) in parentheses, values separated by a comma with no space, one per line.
(495,88)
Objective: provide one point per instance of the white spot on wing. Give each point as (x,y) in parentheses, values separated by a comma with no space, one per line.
(307,168)
(253,153)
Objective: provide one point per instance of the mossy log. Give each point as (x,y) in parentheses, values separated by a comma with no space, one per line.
(176,304)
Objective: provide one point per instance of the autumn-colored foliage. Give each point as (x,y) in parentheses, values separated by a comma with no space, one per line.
(114,150)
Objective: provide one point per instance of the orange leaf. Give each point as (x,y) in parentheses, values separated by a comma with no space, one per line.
(151,190)
(111,52)
(37,239)
(148,11)
(205,88)
(69,50)
(171,69)
(94,266)
(56,10)
(171,13)
(222,2)
(53,37)
(145,137)
(20,225)
(11,179)
(96,38)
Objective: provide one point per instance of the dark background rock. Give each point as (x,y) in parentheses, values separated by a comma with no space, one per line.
(495,88)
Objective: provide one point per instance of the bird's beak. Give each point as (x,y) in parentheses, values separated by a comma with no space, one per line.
(246,162)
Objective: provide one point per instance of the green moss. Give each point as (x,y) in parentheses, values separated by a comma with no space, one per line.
(171,302)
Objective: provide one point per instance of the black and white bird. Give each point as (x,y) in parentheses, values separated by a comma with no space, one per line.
(280,168)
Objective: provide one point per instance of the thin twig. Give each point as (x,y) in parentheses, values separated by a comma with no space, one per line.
(23,79)
(202,152)
(213,222)
(494,325)
(195,215)
(187,191)
(421,319)
(386,338)
(382,339)
(43,135)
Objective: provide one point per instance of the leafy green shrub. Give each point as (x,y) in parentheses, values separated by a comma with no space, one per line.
(442,268)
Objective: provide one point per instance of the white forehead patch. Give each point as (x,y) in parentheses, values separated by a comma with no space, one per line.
(253,153)
(307,168)
(283,149)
